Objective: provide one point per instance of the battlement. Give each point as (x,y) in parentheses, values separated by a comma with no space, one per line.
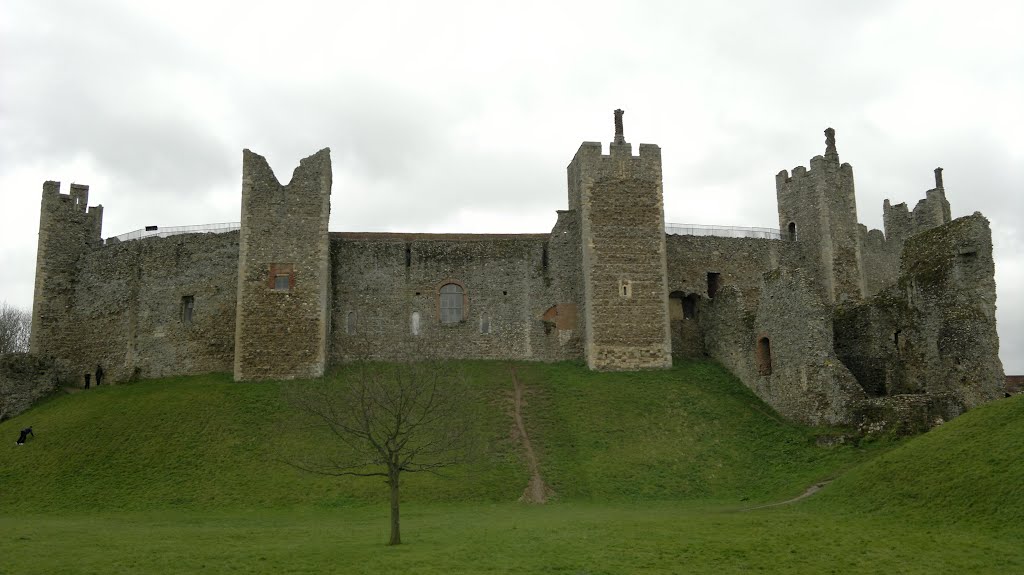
(900,222)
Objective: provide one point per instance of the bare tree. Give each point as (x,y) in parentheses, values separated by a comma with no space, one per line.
(15,327)
(387,419)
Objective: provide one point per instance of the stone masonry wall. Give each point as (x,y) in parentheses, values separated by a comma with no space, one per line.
(25,378)
(624,266)
(739,262)
(807,381)
(283,311)
(934,331)
(68,229)
(381,280)
(822,205)
(126,311)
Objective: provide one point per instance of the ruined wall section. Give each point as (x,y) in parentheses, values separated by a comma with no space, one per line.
(623,260)
(563,288)
(881,252)
(805,380)
(386,297)
(818,209)
(702,267)
(934,332)
(68,229)
(282,316)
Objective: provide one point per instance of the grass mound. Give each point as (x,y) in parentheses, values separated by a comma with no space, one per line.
(970,470)
(693,432)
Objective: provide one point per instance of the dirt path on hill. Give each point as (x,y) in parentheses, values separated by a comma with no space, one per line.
(536,491)
(810,491)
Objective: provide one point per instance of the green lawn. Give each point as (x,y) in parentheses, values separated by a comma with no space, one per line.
(651,471)
(570,538)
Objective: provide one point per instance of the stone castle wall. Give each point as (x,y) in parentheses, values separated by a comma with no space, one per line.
(831,324)
(387,297)
(933,331)
(126,311)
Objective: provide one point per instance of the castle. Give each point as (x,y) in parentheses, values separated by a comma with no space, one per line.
(826,321)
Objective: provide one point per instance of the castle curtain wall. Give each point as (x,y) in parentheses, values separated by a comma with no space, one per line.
(125,311)
(381,280)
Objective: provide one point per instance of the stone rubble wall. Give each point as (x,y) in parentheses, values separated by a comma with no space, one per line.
(125,312)
(381,280)
(934,331)
(282,333)
(25,378)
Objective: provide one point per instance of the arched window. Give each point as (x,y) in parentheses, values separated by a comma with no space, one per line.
(764,356)
(791,230)
(451,303)
(415,323)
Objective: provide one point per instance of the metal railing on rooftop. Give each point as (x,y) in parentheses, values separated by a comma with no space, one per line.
(157,231)
(722,231)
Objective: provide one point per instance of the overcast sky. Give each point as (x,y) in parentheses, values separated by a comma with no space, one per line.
(461,116)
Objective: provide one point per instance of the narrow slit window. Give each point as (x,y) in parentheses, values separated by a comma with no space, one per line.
(408,255)
(350,323)
(625,288)
(415,323)
(791,231)
(188,303)
(764,356)
(485,324)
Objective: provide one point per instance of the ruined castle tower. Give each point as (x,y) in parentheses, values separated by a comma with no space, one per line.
(68,228)
(817,207)
(283,270)
(625,294)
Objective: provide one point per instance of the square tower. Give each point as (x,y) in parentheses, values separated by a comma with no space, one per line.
(281,320)
(625,288)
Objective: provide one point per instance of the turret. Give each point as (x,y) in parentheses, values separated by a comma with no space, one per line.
(68,228)
(818,208)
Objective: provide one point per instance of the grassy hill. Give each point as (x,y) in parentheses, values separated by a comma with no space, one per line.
(968,471)
(690,433)
(653,472)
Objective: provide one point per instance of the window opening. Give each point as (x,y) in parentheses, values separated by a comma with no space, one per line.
(350,323)
(282,277)
(764,356)
(281,282)
(714,283)
(625,288)
(485,324)
(544,258)
(187,305)
(791,229)
(415,323)
(408,255)
(451,303)
(690,306)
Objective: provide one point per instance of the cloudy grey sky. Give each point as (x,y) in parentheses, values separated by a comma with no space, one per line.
(461,116)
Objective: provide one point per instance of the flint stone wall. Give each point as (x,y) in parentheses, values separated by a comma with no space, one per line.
(934,331)
(381,280)
(25,378)
(125,312)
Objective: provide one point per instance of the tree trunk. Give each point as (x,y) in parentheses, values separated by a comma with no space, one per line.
(396,536)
